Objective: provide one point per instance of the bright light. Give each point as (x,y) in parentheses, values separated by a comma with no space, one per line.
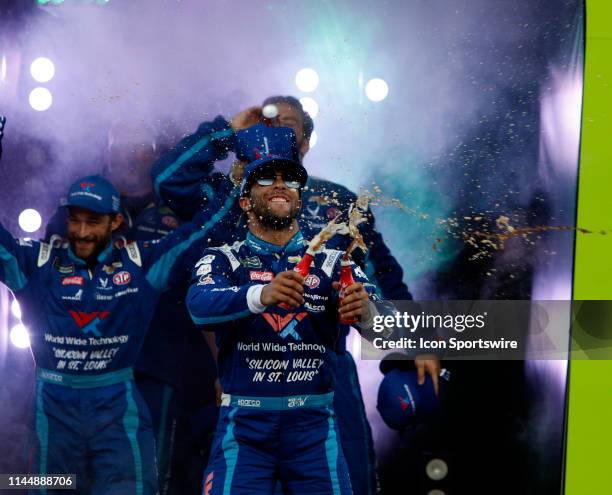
(307,80)
(30,220)
(313,139)
(41,99)
(42,69)
(376,89)
(16,309)
(310,105)
(3,69)
(19,336)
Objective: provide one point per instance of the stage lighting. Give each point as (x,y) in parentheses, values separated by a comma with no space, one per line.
(19,336)
(16,309)
(436,492)
(313,139)
(307,80)
(41,99)
(436,469)
(376,89)
(30,220)
(42,69)
(3,69)
(310,105)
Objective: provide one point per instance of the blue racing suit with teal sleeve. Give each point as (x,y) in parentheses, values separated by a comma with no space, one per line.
(277,368)
(186,180)
(86,325)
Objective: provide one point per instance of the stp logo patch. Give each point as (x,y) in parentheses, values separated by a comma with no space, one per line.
(122,278)
(261,276)
(73,281)
(312,281)
(86,186)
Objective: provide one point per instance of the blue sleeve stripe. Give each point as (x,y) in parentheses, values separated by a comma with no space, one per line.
(188,154)
(13,276)
(219,319)
(160,271)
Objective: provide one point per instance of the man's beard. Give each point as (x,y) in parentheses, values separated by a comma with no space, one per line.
(270,220)
(99,245)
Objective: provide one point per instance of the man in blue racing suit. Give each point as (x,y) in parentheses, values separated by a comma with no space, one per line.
(87,305)
(276,364)
(175,372)
(185,179)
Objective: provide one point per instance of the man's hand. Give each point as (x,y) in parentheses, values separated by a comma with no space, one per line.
(431,364)
(287,287)
(246,118)
(355,302)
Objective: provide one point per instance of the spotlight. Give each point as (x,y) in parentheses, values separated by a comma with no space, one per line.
(30,220)
(310,105)
(436,492)
(19,336)
(436,469)
(42,69)
(313,139)
(376,89)
(16,309)
(307,80)
(41,99)
(3,69)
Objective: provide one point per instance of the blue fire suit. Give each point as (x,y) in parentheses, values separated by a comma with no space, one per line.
(86,326)
(277,369)
(185,179)
(174,371)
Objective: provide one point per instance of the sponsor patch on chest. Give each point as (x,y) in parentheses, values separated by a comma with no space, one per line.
(122,278)
(261,276)
(73,280)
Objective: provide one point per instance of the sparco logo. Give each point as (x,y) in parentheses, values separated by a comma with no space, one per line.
(249,402)
(122,278)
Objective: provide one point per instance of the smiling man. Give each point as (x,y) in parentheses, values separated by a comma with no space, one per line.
(277,332)
(87,304)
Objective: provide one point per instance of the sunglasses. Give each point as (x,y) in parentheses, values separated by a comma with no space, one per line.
(290,182)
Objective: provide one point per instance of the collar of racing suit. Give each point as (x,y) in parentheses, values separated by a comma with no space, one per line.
(101,257)
(295,245)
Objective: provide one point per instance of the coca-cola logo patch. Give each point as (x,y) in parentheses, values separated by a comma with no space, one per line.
(261,276)
(73,281)
(122,278)
(312,281)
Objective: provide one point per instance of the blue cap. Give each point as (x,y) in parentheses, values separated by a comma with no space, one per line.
(94,193)
(264,147)
(402,402)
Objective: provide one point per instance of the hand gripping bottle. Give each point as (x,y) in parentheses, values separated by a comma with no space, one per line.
(303,268)
(346,279)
